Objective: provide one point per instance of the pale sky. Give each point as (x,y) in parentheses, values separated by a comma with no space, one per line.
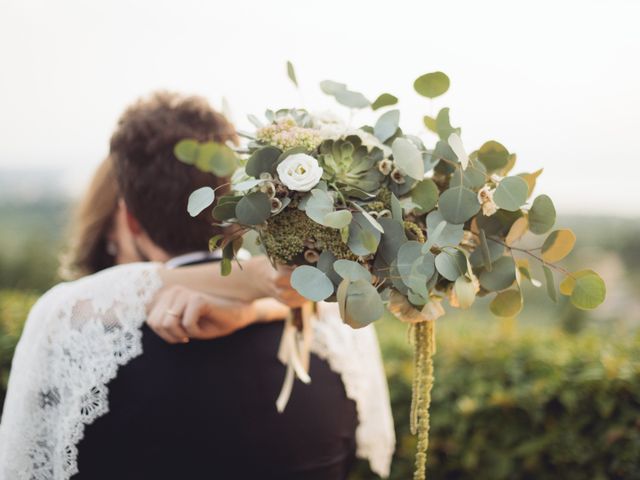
(557,82)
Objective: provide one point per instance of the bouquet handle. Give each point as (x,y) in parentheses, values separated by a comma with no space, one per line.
(295,351)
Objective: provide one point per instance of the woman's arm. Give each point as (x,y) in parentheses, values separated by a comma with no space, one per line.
(253,279)
(198,302)
(179,313)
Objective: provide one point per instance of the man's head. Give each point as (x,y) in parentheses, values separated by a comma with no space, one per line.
(155,186)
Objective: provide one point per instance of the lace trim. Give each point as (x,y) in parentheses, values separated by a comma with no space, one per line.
(355,356)
(76,338)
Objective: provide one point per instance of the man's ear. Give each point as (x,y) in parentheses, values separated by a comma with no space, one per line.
(132,222)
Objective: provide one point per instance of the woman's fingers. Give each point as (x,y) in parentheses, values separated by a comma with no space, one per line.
(172,321)
(165,317)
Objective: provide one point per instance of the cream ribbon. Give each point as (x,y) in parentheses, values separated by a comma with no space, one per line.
(295,353)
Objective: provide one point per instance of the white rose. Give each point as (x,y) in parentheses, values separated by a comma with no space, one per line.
(299,172)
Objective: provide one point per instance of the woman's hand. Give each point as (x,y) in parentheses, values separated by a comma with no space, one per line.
(179,313)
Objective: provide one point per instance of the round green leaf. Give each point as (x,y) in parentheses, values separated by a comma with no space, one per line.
(451,263)
(353,271)
(494,155)
(187,151)
(507,304)
(363,304)
(216,158)
(494,251)
(443,126)
(511,193)
(458,204)
(384,100)
(199,200)
(408,158)
(351,99)
(253,209)
(263,160)
(558,245)
(392,239)
(338,219)
(569,283)
(311,283)
(431,85)
(319,206)
(363,237)
(501,276)
(542,215)
(451,235)
(589,291)
(408,253)
(387,125)
(224,212)
(425,195)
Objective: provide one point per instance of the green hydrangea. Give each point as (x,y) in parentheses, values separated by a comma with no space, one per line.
(286,134)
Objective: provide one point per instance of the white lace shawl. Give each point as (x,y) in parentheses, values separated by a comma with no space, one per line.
(78,335)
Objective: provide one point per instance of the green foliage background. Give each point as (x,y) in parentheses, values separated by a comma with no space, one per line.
(554,395)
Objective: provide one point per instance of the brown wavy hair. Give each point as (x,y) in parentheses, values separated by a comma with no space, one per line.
(92,221)
(154,184)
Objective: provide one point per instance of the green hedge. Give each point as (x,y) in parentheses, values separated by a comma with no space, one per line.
(507,404)
(14,307)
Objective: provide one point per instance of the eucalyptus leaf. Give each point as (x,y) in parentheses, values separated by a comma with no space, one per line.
(501,276)
(199,200)
(396,208)
(374,223)
(325,264)
(494,155)
(451,235)
(455,142)
(384,100)
(247,184)
(432,85)
(363,237)
(337,219)
(451,263)
(408,158)
(353,271)
(507,304)
(392,239)
(425,195)
(291,73)
(263,160)
(331,88)
(589,291)
(558,245)
(351,99)
(458,204)
(494,251)
(363,304)
(511,193)
(224,211)
(319,205)
(550,282)
(387,125)
(253,209)
(542,215)
(187,151)
(311,283)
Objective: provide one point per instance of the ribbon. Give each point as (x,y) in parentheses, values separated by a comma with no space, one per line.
(295,352)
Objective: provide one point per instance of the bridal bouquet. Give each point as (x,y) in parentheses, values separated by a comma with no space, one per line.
(376,220)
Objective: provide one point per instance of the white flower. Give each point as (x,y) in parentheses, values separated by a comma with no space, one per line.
(485,197)
(299,172)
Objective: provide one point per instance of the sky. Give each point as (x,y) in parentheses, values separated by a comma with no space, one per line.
(557,82)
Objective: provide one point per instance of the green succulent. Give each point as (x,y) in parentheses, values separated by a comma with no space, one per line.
(351,166)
